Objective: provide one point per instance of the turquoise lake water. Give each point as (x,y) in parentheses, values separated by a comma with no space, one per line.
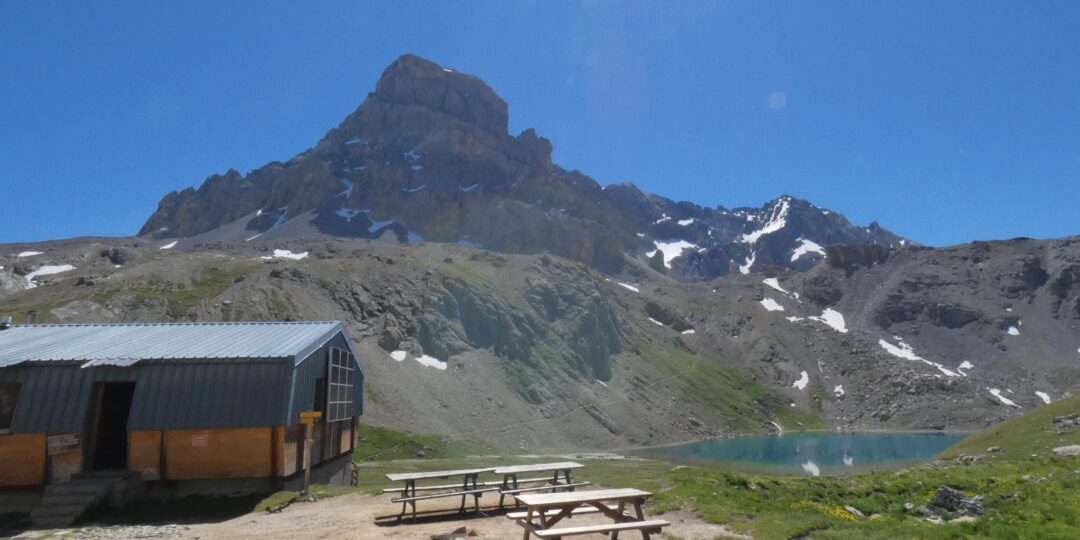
(814,453)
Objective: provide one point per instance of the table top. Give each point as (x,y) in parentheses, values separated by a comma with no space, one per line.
(566,498)
(398,477)
(539,467)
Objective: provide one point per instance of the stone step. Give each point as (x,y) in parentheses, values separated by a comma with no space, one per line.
(77,487)
(59,510)
(64,499)
(53,523)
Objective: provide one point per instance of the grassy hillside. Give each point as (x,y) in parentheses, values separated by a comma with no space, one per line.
(1021,436)
(1025,496)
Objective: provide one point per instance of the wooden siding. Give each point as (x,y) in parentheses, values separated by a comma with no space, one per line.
(144,454)
(23,459)
(195,454)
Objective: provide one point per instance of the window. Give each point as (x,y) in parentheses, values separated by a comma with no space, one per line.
(339,405)
(9,396)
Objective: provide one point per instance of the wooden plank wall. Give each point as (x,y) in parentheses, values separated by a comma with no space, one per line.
(22,456)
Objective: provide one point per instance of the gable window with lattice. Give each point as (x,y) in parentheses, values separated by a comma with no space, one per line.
(342,377)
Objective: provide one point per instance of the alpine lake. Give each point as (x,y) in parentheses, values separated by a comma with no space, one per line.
(811,452)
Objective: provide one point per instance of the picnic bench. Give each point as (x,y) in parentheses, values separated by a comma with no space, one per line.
(512,485)
(545,510)
(468,487)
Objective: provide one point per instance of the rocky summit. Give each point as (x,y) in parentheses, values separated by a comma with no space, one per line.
(496,296)
(427,157)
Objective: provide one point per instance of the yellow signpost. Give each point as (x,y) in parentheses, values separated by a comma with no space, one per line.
(308,419)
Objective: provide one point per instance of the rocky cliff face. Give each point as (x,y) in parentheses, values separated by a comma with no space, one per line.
(427,157)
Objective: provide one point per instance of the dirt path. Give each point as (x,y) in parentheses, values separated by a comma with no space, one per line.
(358,516)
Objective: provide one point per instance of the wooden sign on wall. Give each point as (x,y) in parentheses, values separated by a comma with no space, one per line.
(65,442)
(201,440)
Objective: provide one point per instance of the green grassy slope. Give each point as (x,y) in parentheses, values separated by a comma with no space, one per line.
(1021,436)
(1025,496)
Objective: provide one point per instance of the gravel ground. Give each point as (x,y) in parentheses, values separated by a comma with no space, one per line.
(357,516)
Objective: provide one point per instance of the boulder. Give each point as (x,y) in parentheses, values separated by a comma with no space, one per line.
(956,502)
(1067,451)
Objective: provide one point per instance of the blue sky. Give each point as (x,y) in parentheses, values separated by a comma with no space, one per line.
(944,121)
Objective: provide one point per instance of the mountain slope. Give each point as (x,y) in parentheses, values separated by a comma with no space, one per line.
(914,338)
(427,156)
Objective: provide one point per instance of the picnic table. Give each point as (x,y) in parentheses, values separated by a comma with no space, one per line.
(512,485)
(468,487)
(545,510)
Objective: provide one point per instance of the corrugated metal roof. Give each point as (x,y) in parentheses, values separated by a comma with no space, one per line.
(134,342)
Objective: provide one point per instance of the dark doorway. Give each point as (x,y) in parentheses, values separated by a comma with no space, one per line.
(110,425)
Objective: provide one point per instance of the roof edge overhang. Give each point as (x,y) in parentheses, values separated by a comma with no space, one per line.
(323,340)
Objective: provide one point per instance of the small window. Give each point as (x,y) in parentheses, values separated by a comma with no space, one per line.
(9,396)
(339,405)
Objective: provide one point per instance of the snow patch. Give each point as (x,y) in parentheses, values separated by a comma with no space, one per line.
(413,190)
(806,246)
(964,365)
(1014,331)
(849,461)
(774,283)
(47,270)
(685,222)
(804,379)
(1043,396)
(905,351)
(664,217)
(286,254)
(170,245)
(348,213)
(777,221)
(811,468)
(778,426)
(411,155)
(656,322)
(794,319)
(376,225)
(29,254)
(688,332)
(398,355)
(431,361)
(838,390)
(671,250)
(1003,399)
(771,304)
(348,189)
(466,189)
(745,269)
(355,140)
(833,319)
(417,167)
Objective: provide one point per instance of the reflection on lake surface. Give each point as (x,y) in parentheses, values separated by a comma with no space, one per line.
(814,453)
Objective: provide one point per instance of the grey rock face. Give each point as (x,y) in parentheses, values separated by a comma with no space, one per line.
(428,155)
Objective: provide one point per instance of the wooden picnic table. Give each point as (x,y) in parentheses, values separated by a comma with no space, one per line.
(468,487)
(511,485)
(545,510)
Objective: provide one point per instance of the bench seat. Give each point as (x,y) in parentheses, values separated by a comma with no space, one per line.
(577,512)
(447,494)
(650,525)
(458,485)
(541,488)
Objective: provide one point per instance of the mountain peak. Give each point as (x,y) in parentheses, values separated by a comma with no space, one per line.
(412,80)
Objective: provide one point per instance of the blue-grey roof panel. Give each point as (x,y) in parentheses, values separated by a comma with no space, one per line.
(159,341)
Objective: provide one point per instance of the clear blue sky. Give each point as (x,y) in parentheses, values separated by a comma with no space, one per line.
(945,121)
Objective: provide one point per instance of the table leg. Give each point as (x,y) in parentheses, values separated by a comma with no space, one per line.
(528,520)
(641,517)
(566,475)
(410,491)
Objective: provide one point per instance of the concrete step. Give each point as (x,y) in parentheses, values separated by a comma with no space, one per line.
(65,499)
(77,487)
(59,510)
(53,523)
